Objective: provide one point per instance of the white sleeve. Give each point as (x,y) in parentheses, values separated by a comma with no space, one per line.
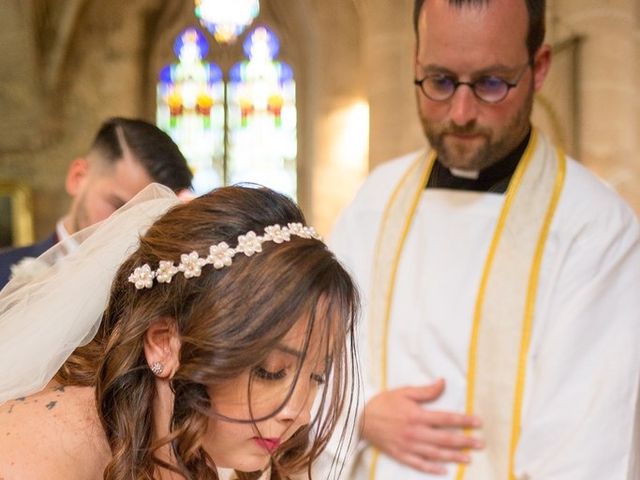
(584,369)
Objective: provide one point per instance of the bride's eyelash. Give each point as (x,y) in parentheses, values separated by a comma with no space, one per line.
(319,378)
(265,374)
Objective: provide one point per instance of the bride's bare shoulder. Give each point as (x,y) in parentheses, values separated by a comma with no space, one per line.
(55,432)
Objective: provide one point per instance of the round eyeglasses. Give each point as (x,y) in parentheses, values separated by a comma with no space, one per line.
(488,88)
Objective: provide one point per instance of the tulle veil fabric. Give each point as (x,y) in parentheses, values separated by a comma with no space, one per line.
(46,315)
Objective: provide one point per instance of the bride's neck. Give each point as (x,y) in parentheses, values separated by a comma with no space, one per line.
(162,412)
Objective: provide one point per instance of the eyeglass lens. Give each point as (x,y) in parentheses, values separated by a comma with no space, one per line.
(442,87)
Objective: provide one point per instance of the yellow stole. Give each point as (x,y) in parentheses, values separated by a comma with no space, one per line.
(504,308)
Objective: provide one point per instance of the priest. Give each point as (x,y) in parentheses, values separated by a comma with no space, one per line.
(500,278)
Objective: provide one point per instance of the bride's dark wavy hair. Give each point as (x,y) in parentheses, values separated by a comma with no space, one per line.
(228,321)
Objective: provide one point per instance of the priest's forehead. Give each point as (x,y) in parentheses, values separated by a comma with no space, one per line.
(531,15)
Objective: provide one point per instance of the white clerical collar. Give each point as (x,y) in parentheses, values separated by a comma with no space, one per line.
(469,174)
(65,237)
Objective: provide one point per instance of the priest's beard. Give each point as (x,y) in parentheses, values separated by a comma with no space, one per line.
(492,145)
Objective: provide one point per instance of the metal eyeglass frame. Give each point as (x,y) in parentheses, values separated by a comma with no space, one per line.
(472,85)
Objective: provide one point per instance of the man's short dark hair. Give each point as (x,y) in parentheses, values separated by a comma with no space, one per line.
(536,9)
(153,148)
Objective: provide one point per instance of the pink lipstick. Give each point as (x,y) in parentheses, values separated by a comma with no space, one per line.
(269,444)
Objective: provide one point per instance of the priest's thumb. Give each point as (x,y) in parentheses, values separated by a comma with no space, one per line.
(427,393)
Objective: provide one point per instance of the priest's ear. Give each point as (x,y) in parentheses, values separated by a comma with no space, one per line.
(76,175)
(541,65)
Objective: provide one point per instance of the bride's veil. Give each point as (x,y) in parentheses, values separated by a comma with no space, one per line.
(56,306)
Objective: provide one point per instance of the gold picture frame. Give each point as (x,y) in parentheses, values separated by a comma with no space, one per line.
(16,214)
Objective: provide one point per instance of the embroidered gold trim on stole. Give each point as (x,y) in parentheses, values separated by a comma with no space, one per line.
(527,324)
(396,261)
(514,185)
(530,309)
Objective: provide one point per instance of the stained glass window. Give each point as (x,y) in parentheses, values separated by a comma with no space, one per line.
(190,108)
(226,19)
(261,117)
(241,131)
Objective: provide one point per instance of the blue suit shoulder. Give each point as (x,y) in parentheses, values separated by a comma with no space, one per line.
(11,256)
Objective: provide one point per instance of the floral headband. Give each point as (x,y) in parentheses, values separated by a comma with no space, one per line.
(220,255)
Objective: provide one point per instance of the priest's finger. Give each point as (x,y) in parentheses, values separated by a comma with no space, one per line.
(419,463)
(425,393)
(450,419)
(450,439)
(434,453)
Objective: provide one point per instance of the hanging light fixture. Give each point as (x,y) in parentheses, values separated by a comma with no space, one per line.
(226,19)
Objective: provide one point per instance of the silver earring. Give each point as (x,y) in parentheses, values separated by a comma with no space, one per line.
(156,368)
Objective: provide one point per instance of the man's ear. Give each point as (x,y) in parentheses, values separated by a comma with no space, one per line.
(76,174)
(541,65)
(162,347)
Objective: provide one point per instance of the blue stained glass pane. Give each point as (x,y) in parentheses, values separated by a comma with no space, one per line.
(235,75)
(259,37)
(286,73)
(191,36)
(215,73)
(165,74)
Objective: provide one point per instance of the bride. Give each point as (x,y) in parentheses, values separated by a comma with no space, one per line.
(223,342)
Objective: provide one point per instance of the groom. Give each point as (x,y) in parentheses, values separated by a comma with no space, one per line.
(125,156)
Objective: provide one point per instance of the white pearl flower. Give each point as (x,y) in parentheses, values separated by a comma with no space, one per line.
(166,271)
(220,255)
(249,244)
(277,234)
(303,232)
(142,277)
(191,264)
(312,233)
(295,228)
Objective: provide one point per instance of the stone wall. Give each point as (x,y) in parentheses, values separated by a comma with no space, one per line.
(64,70)
(608,92)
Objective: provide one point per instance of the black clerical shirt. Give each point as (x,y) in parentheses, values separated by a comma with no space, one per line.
(494,178)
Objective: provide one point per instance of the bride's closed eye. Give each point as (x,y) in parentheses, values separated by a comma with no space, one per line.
(264,374)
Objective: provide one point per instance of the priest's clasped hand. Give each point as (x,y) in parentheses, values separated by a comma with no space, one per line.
(397,423)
